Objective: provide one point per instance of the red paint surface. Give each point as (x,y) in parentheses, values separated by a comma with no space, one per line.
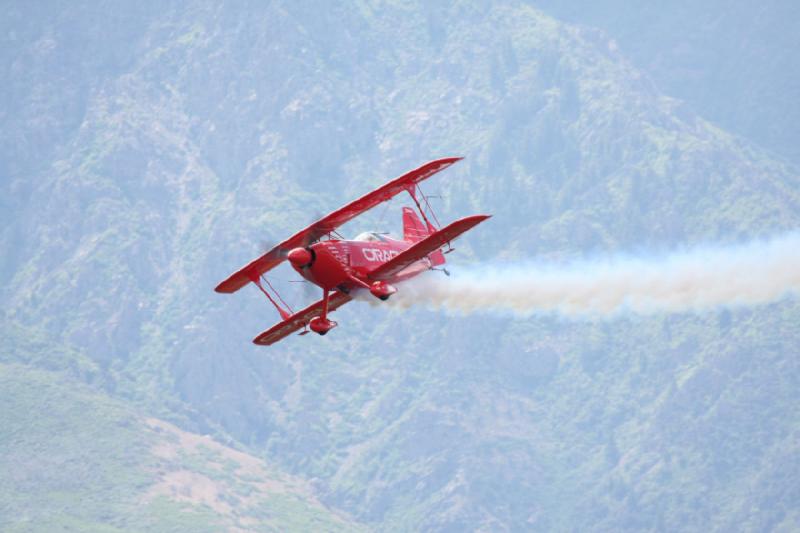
(330,222)
(341,266)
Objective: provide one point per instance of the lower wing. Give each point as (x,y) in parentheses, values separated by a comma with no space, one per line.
(429,244)
(300,319)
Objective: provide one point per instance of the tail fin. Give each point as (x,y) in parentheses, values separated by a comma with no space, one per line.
(413,228)
(414,231)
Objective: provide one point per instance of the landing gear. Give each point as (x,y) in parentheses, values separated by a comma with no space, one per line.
(382,290)
(321,324)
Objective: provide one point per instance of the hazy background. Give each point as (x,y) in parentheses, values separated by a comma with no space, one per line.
(148,149)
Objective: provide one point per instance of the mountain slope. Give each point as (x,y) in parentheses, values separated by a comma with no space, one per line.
(732,62)
(210,130)
(74,458)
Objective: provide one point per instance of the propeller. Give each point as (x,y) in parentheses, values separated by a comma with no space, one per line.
(317,230)
(300,254)
(265,245)
(302,257)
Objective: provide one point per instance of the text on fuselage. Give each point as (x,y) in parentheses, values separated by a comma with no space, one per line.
(375,254)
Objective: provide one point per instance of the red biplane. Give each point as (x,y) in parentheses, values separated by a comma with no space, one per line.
(371,261)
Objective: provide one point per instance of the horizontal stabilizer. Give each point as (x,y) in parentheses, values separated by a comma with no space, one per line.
(300,319)
(426,246)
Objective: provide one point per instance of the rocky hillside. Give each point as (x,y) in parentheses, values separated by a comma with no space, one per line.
(732,62)
(76,459)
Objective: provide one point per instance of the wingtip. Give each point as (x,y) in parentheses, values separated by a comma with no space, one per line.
(446,160)
(222,288)
(259,339)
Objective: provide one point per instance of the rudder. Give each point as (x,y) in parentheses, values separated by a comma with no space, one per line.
(414,231)
(413,228)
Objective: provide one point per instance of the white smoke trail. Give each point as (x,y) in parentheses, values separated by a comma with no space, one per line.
(701,278)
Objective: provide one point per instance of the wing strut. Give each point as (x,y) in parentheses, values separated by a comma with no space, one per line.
(412,191)
(283,312)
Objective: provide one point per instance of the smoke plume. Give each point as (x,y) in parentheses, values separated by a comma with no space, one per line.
(701,278)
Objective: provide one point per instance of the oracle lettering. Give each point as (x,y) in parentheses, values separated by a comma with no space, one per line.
(375,254)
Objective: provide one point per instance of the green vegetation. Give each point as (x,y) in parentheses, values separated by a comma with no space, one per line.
(151,152)
(74,458)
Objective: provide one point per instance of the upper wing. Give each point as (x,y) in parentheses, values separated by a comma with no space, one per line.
(330,222)
(300,319)
(424,247)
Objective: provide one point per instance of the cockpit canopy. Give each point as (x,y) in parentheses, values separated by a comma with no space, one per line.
(371,236)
